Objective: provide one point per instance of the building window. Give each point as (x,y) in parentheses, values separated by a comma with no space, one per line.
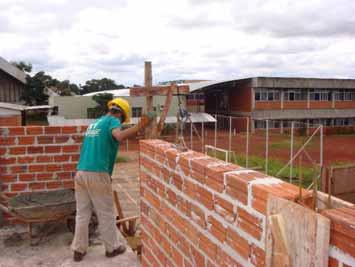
(344,95)
(262,94)
(295,95)
(136,112)
(320,95)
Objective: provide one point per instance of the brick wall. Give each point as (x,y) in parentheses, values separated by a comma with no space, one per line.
(38,158)
(342,237)
(10,120)
(199,211)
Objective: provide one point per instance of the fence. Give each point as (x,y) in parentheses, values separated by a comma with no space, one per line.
(292,150)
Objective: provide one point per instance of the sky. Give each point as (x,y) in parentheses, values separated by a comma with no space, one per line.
(185,39)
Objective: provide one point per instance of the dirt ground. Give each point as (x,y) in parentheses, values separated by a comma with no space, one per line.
(54,249)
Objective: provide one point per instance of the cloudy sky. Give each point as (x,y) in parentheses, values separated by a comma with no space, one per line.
(185,39)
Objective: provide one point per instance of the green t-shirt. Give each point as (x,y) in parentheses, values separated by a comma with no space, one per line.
(99,149)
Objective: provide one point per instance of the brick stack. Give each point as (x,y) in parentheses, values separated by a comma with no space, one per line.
(10,120)
(38,158)
(342,237)
(200,211)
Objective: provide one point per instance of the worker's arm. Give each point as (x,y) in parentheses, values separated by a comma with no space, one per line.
(145,120)
(121,135)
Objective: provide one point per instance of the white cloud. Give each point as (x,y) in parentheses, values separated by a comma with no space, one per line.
(214,39)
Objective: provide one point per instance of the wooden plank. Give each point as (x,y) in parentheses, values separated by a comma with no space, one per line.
(159,90)
(164,114)
(119,209)
(307,233)
(280,253)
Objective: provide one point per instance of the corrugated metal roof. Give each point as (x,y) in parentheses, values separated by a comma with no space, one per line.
(195,118)
(12,71)
(116,93)
(22,107)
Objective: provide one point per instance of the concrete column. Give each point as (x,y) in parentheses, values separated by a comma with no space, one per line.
(252,125)
(282,98)
(281,127)
(333,99)
(308,100)
(252,98)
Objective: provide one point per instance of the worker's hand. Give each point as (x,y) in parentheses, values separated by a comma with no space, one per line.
(146,119)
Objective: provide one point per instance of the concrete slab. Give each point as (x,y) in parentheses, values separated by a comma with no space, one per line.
(15,251)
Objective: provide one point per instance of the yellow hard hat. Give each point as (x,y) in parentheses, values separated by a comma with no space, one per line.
(124,105)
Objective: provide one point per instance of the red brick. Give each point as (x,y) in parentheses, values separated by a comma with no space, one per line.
(52,130)
(176,257)
(217,229)
(2,150)
(26,140)
(7,141)
(77,138)
(197,258)
(17,150)
(224,208)
(198,176)
(53,167)
(42,159)
(16,130)
(8,178)
(198,216)
(53,185)
(36,168)
(333,262)
(214,184)
(204,197)
(64,175)
(61,139)
(257,256)
(18,169)
(53,149)
(240,195)
(71,149)
(207,246)
(82,129)
(37,186)
(34,130)
(199,165)
(69,129)
(46,139)
(177,181)
(28,159)
(68,184)
(61,158)
(35,150)
(69,167)
(44,176)
(7,161)
(75,158)
(17,187)
(239,244)
(24,177)
(249,223)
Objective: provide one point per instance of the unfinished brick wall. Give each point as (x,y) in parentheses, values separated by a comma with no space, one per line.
(342,236)
(200,211)
(38,158)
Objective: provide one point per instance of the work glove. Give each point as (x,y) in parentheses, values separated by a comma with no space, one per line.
(146,119)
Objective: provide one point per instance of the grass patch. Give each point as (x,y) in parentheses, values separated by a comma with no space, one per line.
(274,166)
(122,159)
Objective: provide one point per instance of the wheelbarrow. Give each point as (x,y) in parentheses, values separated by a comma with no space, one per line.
(44,207)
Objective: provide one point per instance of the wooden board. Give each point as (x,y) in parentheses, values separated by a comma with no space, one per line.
(158,90)
(307,233)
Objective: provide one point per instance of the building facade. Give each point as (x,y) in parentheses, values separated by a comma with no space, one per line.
(12,82)
(330,102)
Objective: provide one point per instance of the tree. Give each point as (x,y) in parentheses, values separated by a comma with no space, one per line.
(34,93)
(25,67)
(101,108)
(103,84)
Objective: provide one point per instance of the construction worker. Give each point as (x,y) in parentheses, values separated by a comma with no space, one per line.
(93,190)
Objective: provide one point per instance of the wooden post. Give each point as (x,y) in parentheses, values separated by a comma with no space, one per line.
(151,131)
